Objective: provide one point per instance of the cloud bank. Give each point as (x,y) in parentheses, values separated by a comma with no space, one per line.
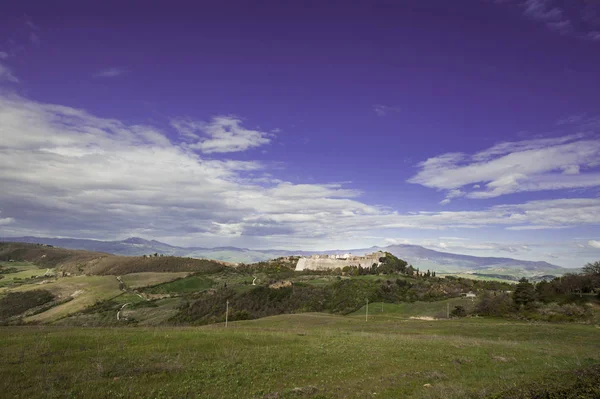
(566,162)
(65,172)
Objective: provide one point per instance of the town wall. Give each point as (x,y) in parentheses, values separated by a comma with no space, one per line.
(328,262)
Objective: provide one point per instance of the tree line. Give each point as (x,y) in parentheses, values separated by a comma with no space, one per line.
(564,298)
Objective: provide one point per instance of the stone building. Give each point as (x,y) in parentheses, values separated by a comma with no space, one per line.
(327,262)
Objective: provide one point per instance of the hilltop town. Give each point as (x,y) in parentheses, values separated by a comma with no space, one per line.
(330,262)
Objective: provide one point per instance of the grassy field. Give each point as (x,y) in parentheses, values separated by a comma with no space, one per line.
(476,277)
(435,309)
(290,356)
(24,270)
(147,279)
(184,285)
(144,313)
(85,291)
(153,316)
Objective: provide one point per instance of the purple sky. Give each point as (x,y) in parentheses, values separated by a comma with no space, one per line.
(472,126)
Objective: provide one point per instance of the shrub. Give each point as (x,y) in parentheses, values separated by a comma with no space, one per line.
(493,305)
(566,312)
(458,311)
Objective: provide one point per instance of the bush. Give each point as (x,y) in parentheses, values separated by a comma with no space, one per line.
(583,383)
(458,311)
(567,312)
(8,270)
(494,305)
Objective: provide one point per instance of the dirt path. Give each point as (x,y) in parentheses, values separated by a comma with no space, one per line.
(119,312)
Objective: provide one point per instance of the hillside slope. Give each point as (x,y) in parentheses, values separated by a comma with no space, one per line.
(98,263)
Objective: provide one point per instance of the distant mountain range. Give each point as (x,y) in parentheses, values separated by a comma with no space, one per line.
(423,258)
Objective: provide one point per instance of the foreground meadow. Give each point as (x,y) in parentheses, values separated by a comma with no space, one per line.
(303,355)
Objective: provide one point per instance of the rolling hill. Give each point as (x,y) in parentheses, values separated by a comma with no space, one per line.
(423,258)
(76,261)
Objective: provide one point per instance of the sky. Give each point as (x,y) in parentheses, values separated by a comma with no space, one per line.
(470,127)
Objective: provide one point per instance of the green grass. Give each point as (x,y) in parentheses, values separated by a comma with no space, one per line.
(338,356)
(25,270)
(475,277)
(184,285)
(435,309)
(155,313)
(148,279)
(318,281)
(17,265)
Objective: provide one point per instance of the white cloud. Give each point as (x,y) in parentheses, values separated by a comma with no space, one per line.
(5,221)
(110,72)
(532,165)
(7,75)
(455,193)
(383,110)
(571,169)
(65,172)
(594,243)
(464,246)
(222,134)
(396,241)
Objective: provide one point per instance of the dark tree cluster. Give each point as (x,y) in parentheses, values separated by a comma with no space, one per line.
(388,264)
(562,299)
(570,286)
